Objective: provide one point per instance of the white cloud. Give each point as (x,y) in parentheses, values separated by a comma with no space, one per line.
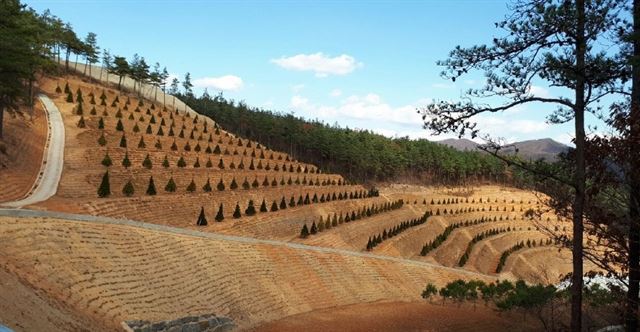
(539,91)
(368,107)
(297,88)
(335,93)
(225,83)
(319,63)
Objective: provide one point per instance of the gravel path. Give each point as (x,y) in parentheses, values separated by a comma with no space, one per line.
(46,184)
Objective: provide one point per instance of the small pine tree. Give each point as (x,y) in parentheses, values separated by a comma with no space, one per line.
(251,210)
(192,186)
(202,220)
(220,214)
(69,97)
(123,141)
(101,123)
(58,89)
(263,206)
(102,140)
(165,162)
(151,189)
(171,186)
(106,161)
(181,162)
(128,189)
(304,233)
(207,187)
(236,212)
(81,123)
(234,184)
(314,228)
(146,163)
(105,188)
(274,206)
(126,163)
(119,126)
(220,185)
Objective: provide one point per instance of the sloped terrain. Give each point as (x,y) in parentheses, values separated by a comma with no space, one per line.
(111,273)
(21,150)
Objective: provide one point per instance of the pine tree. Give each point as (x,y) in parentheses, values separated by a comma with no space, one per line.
(236,212)
(171,186)
(105,188)
(191,187)
(126,163)
(220,214)
(123,141)
(274,206)
(102,140)
(234,184)
(263,206)
(207,186)
(314,228)
(251,210)
(181,162)
(128,189)
(151,189)
(202,220)
(220,185)
(119,126)
(106,161)
(304,233)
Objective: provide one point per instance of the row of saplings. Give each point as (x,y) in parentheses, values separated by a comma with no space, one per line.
(521,245)
(546,303)
(364,212)
(182,163)
(466,201)
(395,230)
(474,209)
(152,120)
(251,209)
(104,189)
(442,237)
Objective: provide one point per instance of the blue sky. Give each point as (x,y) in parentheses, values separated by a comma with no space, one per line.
(362,64)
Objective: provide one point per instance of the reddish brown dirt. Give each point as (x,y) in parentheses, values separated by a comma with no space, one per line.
(25,134)
(402,316)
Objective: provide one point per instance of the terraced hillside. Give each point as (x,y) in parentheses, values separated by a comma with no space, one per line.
(193,164)
(280,238)
(109,272)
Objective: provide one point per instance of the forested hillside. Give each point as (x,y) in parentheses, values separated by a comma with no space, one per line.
(359,155)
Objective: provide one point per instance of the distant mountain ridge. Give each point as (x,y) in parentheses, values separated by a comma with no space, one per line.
(545,148)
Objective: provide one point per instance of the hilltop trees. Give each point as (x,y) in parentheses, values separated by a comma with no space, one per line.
(24,41)
(91,51)
(550,41)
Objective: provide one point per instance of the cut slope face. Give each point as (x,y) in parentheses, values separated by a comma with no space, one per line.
(111,273)
(21,151)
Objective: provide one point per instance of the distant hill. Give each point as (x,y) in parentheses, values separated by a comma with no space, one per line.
(544,148)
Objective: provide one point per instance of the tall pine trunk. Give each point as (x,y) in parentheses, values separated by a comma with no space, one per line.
(579,176)
(631,315)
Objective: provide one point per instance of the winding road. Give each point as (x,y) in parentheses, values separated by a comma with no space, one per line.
(46,185)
